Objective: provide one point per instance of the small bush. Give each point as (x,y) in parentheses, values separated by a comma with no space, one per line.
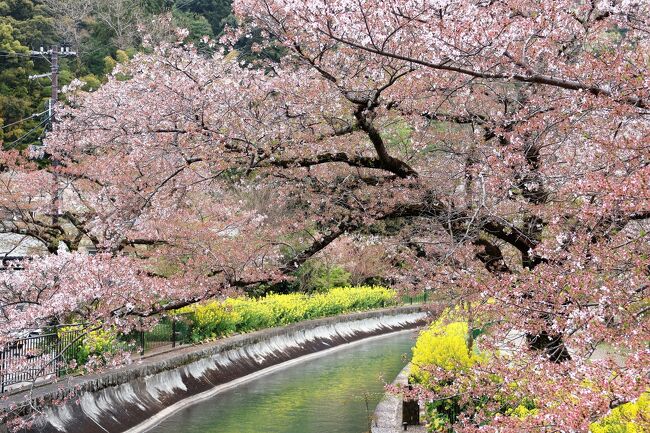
(96,343)
(314,276)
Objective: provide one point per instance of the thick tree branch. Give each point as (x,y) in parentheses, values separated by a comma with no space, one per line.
(530,78)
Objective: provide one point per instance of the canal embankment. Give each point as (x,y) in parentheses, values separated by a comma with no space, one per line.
(121,399)
(388,413)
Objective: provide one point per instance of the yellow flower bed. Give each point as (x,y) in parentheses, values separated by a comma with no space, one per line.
(444,346)
(219,318)
(633,417)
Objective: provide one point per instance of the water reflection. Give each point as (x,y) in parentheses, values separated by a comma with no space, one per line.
(331,394)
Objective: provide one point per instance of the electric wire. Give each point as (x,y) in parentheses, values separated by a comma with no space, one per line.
(9,54)
(22,137)
(22,120)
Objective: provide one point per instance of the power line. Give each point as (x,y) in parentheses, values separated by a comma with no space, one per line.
(61,51)
(22,120)
(14,54)
(54,54)
(22,137)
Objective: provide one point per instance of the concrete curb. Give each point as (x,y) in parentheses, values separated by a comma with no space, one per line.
(388,414)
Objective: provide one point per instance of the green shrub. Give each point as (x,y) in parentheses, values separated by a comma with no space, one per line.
(99,343)
(315,276)
(109,64)
(92,82)
(121,56)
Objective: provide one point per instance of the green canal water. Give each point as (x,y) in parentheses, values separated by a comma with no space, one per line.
(334,393)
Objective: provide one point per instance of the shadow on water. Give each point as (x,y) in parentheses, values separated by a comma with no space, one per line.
(332,394)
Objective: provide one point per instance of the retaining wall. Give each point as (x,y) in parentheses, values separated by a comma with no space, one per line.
(387,417)
(123,399)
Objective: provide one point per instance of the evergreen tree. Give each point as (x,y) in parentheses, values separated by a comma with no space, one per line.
(216,12)
(23,26)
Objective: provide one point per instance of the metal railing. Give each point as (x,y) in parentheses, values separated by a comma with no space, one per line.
(416,299)
(41,354)
(55,351)
(169,331)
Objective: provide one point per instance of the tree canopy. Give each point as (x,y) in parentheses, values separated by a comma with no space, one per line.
(494,151)
(22,101)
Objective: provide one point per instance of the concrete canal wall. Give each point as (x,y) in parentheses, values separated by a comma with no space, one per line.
(131,398)
(388,413)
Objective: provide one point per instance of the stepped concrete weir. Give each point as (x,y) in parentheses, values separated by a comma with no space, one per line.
(133,398)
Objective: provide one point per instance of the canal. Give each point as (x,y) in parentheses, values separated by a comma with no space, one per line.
(335,393)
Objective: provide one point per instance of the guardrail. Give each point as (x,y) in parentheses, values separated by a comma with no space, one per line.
(51,352)
(42,353)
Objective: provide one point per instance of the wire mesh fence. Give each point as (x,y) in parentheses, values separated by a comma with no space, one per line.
(419,298)
(170,331)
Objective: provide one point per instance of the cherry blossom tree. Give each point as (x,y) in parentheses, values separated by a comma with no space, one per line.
(495,151)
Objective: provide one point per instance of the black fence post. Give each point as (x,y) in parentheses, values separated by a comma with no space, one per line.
(60,341)
(173,331)
(2,369)
(141,338)
(410,411)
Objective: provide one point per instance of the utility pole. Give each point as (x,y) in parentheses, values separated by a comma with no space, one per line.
(53,54)
(54,60)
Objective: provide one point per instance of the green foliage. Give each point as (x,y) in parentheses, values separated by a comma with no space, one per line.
(156,7)
(109,64)
(20,97)
(315,276)
(215,12)
(31,24)
(92,82)
(398,135)
(633,417)
(196,24)
(216,319)
(121,56)
(100,344)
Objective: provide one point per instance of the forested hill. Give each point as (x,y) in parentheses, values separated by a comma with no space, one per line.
(100,32)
